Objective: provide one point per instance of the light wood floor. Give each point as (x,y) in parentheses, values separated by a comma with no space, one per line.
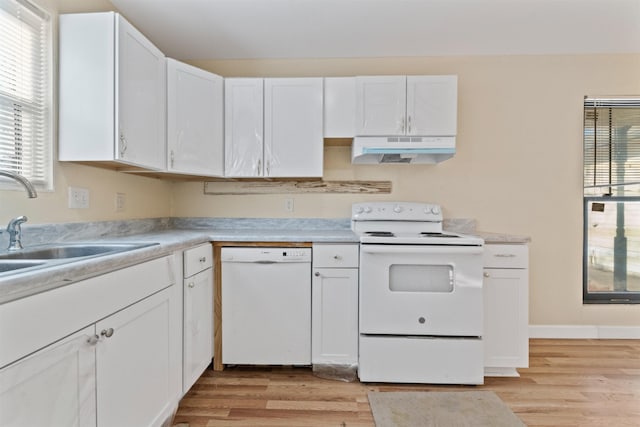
(569,383)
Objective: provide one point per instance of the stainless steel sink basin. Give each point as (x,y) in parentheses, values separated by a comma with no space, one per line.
(11,265)
(72,250)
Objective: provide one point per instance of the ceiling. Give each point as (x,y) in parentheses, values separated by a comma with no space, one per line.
(236,29)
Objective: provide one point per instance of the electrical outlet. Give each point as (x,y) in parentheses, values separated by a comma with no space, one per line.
(121,199)
(78,198)
(288,205)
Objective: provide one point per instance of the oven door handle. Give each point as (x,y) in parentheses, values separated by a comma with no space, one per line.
(421,249)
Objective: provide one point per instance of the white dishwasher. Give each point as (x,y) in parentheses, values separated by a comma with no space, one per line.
(266,306)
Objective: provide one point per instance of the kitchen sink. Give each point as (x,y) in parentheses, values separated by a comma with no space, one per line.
(72,250)
(11,265)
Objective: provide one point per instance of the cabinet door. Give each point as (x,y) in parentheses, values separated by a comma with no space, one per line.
(334,316)
(293,127)
(339,107)
(432,105)
(195,139)
(198,326)
(140,105)
(53,387)
(138,363)
(243,127)
(380,105)
(506,318)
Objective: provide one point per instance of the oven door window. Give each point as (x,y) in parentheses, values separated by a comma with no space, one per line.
(421,278)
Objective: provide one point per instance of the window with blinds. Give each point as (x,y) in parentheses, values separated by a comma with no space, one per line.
(611,259)
(25,91)
(612,146)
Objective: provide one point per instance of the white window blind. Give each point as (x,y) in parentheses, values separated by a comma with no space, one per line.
(25,91)
(612,146)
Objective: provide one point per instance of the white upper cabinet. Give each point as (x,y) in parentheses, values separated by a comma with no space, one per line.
(112,92)
(195,139)
(401,105)
(273,127)
(339,107)
(243,130)
(432,105)
(380,105)
(293,127)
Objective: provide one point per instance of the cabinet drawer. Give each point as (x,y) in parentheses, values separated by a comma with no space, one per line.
(333,255)
(506,256)
(197,259)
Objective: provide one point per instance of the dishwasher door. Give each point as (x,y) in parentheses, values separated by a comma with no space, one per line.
(266,306)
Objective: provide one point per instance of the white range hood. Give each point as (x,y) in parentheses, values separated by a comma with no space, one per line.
(402,149)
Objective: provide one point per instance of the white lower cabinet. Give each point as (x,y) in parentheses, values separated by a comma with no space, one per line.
(104,351)
(334,308)
(198,313)
(53,387)
(136,360)
(506,309)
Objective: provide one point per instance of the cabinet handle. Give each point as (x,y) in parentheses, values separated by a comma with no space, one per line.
(93,339)
(107,332)
(191,285)
(402,125)
(268,168)
(486,274)
(337,257)
(172,157)
(409,125)
(504,255)
(259,166)
(123,144)
(317,274)
(203,259)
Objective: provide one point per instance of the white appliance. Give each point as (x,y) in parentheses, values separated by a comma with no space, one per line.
(266,306)
(421,303)
(402,149)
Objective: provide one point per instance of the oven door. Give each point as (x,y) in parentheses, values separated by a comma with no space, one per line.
(421,290)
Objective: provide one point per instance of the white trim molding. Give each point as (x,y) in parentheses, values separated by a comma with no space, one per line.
(584,332)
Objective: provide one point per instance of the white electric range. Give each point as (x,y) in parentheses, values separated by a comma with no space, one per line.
(420,299)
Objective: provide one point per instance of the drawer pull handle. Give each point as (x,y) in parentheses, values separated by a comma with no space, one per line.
(505,255)
(317,274)
(337,257)
(203,259)
(486,274)
(107,332)
(191,284)
(93,339)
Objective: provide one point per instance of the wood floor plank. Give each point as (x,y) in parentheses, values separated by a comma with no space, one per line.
(570,383)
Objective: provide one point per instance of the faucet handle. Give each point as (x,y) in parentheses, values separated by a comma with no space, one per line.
(15,233)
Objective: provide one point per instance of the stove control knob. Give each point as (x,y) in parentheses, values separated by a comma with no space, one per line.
(367,210)
(435,210)
(397,209)
(359,210)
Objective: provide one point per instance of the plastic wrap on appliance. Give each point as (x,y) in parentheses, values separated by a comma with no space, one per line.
(245,159)
(336,371)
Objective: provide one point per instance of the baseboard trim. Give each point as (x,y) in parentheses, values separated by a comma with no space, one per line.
(584,332)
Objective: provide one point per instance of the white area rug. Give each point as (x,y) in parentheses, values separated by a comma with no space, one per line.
(441,409)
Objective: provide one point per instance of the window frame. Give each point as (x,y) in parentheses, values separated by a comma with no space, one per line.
(43,153)
(608,194)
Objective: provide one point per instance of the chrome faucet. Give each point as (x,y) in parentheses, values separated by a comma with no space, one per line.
(15,233)
(22,180)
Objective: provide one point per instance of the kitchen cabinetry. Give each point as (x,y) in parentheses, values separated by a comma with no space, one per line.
(406,105)
(506,308)
(130,348)
(198,313)
(195,139)
(339,107)
(112,93)
(26,397)
(273,127)
(334,311)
